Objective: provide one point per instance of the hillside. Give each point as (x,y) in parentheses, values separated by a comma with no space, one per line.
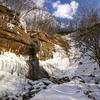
(35,65)
(81,80)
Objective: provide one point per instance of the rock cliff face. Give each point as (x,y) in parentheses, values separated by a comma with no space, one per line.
(14,39)
(48,44)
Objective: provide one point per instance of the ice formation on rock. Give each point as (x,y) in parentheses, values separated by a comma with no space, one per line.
(61,62)
(58,64)
(10,25)
(22,21)
(10,62)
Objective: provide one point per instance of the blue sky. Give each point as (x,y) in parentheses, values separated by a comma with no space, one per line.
(62,8)
(65,1)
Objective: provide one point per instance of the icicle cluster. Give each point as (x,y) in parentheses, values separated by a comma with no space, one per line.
(10,62)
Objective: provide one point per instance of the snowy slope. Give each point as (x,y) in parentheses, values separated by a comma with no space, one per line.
(84,85)
(58,64)
(13,70)
(84,77)
(74,90)
(11,84)
(61,62)
(14,87)
(61,65)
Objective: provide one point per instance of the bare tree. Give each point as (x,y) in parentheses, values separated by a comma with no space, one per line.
(88,36)
(88,13)
(19,5)
(41,20)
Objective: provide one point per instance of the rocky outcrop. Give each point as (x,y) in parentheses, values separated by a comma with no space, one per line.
(54,54)
(13,38)
(48,44)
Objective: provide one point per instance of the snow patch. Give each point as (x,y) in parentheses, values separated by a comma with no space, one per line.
(33,34)
(10,25)
(56,66)
(14,86)
(19,33)
(22,21)
(11,84)
(61,63)
(73,51)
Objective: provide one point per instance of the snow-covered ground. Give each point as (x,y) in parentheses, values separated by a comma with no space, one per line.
(84,84)
(76,89)
(84,77)
(13,69)
(56,66)
(13,84)
(14,87)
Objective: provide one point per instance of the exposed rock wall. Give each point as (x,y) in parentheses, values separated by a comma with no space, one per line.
(48,44)
(14,39)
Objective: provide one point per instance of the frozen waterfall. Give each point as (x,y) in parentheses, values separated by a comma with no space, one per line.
(10,62)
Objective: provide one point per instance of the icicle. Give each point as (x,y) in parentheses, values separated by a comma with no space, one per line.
(9,62)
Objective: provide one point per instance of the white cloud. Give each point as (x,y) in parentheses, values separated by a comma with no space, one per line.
(55,4)
(39,3)
(74,6)
(65,10)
